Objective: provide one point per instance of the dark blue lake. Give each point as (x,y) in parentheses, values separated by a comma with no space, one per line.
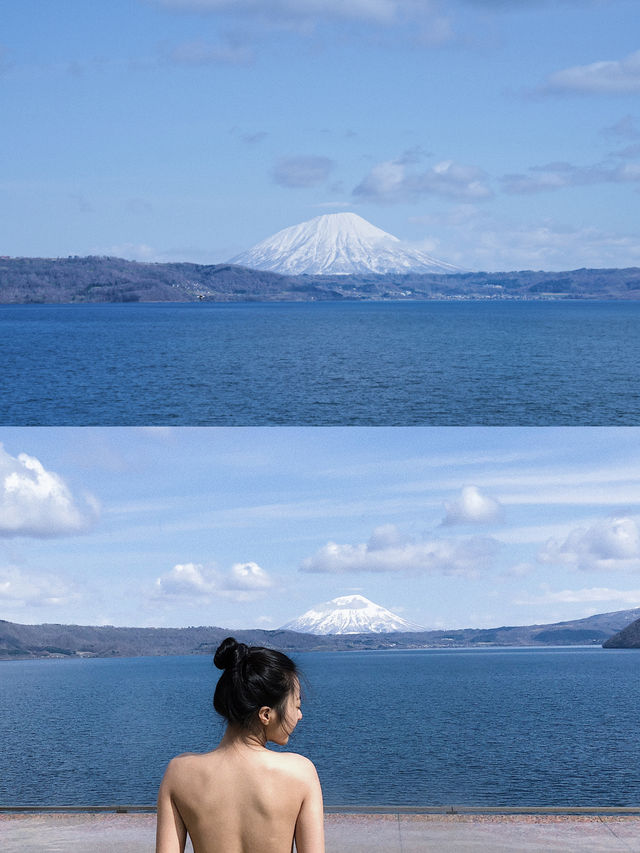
(445,363)
(536,727)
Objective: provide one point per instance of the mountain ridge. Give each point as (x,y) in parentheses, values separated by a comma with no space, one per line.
(50,640)
(95,279)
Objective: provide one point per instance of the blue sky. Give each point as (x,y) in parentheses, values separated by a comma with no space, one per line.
(495,134)
(249,527)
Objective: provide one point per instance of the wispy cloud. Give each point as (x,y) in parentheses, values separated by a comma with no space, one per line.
(410,464)
(629,152)
(249,137)
(389,551)
(556,176)
(519,570)
(538,534)
(200,52)
(194,581)
(376,10)
(392,181)
(481,240)
(624,128)
(520,483)
(581,596)
(36,502)
(434,20)
(603,77)
(303,171)
(19,588)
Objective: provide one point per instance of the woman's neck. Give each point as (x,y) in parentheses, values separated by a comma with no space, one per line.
(237,737)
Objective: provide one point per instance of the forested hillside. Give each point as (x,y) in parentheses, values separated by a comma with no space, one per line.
(104,279)
(51,640)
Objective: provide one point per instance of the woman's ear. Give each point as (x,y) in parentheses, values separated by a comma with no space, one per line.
(264,715)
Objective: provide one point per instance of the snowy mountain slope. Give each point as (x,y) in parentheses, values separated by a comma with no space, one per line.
(350,614)
(338,244)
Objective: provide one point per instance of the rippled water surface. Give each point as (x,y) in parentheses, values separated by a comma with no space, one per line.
(441,363)
(539,727)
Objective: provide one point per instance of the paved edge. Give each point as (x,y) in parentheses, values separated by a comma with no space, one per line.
(398,811)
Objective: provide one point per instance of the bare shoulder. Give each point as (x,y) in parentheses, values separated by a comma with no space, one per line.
(298,766)
(181,765)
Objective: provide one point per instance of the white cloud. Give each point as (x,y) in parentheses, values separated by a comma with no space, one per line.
(608,544)
(243,582)
(297,172)
(389,551)
(473,507)
(392,181)
(608,77)
(581,596)
(26,589)
(384,181)
(556,176)
(187,579)
(37,502)
(249,577)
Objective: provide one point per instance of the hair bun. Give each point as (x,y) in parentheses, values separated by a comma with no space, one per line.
(229,653)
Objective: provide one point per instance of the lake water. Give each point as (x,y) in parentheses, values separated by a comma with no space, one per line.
(445,363)
(495,727)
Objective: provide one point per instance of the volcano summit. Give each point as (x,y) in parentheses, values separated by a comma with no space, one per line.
(350,614)
(338,244)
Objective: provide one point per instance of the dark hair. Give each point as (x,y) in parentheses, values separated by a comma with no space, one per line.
(253,677)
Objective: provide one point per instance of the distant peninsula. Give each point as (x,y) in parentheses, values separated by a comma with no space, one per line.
(19,642)
(628,638)
(105,279)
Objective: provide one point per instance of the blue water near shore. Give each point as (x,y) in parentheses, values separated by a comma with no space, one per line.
(535,727)
(446,363)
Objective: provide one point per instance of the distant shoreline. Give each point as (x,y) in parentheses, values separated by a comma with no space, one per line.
(462,648)
(57,641)
(94,280)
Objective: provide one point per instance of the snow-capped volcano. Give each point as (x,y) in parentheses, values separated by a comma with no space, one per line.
(350,614)
(338,244)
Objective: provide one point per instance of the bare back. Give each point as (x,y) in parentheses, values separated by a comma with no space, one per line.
(240,799)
